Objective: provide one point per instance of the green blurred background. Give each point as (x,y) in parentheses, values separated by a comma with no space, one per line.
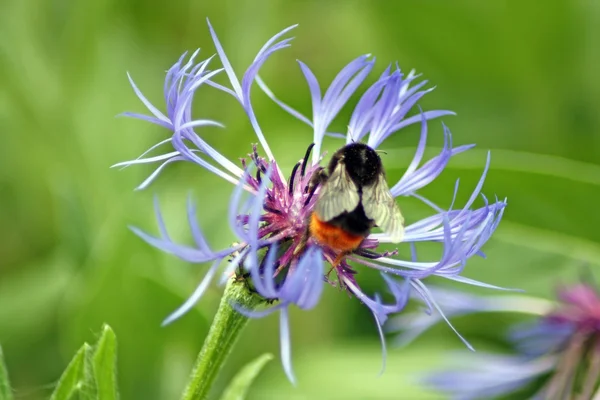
(520,75)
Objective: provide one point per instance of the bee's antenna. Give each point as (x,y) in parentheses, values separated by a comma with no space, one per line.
(381,151)
(351,135)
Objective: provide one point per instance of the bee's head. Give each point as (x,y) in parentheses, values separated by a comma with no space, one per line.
(361,162)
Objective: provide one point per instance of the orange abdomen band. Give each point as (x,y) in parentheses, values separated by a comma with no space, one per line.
(333,236)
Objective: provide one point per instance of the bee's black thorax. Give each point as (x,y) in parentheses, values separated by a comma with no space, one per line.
(361,162)
(363,165)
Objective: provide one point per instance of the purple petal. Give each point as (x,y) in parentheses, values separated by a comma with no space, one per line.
(165,141)
(247,81)
(180,146)
(200,122)
(186,253)
(415,179)
(273,39)
(312,263)
(488,376)
(221,88)
(425,293)
(420,147)
(234,205)
(193,299)
(269,274)
(146,102)
(480,183)
(457,303)
(157,171)
(381,311)
(265,284)
(226,64)
(159,219)
(416,118)
(382,340)
(477,283)
(286,347)
(148,160)
(183,102)
(195,228)
(540,337)
(143,117)
(363,112)
(314,89)
(343,86)
(426,173)
(208,150)
(263,86)
(303,284)
(233,264)
(171,73)
(256,208)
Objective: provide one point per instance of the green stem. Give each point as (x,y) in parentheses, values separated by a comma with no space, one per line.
(224,331)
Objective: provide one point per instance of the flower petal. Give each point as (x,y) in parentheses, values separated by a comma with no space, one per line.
(146,102)
(487,376)
(286,347)
(193,299)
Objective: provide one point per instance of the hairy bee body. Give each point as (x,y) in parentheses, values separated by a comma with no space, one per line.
(334,236)
(354,197)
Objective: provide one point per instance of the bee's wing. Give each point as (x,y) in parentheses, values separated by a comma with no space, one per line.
(339,194)
(381,207)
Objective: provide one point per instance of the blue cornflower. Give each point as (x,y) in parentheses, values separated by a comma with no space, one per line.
(455,304)
(559,351)
(269,214)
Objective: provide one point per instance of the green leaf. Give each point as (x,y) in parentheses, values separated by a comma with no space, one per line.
(104,362)
(80,393)
(240,384)
(77,382)
(5,390)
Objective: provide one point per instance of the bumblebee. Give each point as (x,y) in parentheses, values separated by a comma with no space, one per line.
(354,197)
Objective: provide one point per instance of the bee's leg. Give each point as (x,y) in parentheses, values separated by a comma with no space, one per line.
(339,258)
(303,240)
(329,272)
(374,255)
(361,252)
(319,177)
